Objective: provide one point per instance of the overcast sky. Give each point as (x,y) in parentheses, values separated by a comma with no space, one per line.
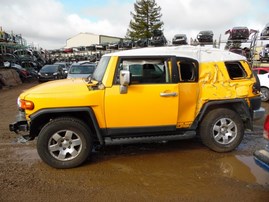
(49,23)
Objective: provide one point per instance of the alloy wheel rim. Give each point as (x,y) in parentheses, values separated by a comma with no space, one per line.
(65,145)
(264,94)
(224,131)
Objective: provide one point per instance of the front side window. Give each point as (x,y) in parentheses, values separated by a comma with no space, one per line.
(151,71)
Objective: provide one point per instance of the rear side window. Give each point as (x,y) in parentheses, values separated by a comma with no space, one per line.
(187,69)
(187,72)
(235,70)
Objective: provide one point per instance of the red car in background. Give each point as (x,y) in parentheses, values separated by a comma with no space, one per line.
(263,75)
(238,33)
(261,70)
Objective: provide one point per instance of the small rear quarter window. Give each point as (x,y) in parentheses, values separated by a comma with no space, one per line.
(235,70)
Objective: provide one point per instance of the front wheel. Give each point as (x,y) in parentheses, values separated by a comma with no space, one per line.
(64,143)
(222,130)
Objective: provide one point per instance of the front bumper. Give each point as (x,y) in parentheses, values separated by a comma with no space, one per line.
(20,125)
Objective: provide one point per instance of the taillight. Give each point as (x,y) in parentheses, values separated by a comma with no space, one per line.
(26,104)
(255,90)
(266,128)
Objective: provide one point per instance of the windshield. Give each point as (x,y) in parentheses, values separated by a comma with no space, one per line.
(82,69)
(101,68)
(49,68)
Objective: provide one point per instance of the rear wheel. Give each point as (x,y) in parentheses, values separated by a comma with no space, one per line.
(264,94)
(222,130)
(64,143)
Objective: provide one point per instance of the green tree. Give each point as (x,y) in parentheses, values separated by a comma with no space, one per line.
(146,20)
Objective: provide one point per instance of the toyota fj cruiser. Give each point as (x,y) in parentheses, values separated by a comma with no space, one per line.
(143,95)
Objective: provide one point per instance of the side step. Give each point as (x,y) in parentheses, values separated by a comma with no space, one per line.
(148,139)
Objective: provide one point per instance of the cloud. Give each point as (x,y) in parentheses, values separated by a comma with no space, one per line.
(191,16)
(49,23)
(117,12)
(38,22)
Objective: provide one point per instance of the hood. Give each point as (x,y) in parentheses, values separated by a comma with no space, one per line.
(62,86)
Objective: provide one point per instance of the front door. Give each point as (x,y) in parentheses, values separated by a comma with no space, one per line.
(151,103)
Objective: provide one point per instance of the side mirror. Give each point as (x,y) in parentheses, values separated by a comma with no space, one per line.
(124,81)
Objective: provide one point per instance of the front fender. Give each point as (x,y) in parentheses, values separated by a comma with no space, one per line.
(86,114)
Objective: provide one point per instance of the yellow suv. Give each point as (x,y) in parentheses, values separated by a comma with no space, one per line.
(143,95)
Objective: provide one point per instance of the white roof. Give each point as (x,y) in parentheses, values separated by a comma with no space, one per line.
(201,54)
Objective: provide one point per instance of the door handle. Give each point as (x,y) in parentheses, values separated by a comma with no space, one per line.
(168,94)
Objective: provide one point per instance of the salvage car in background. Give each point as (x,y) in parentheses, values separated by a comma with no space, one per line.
(265,32)
(128,43)
(264,54)
(158,39)
(263,75)
(237,50)
(114,45)
(83,70)
(205,36)
(142,42)
(238,33)
(101,46)
(24,74)
(8,57)
(179,39)
(65,67)
(50,72)
(25,54)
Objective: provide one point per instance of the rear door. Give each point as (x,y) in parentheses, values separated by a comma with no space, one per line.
(188,91)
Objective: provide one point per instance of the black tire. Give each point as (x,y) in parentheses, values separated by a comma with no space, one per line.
(64,142)
(264,94)
(221,130)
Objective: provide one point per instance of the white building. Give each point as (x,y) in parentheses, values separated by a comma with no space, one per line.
(87,39)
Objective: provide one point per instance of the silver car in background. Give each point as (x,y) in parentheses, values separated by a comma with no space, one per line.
(81,70)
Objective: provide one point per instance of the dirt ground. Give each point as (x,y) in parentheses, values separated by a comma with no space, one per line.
(173,171)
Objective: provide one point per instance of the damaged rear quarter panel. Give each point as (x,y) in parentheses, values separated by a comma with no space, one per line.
(216,84)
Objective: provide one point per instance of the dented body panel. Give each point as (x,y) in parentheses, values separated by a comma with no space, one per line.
(215,83)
